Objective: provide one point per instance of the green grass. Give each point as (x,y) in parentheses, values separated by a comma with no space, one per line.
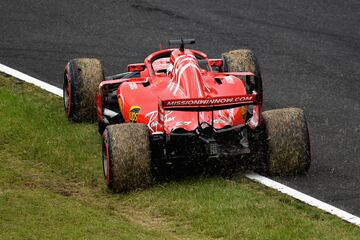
(51,187)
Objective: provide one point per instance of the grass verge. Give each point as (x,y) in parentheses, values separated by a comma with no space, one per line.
(51,187)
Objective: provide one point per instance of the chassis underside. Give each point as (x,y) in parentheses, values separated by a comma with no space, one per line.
(206,143)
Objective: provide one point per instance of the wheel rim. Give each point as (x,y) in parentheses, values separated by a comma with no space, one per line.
(67,94)
(106,158)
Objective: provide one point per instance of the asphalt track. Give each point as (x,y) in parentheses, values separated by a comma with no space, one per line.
(309,52)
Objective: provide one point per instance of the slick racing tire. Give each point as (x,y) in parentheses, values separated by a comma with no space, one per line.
(81,79)
(243,60)
(287,142)
(127,157)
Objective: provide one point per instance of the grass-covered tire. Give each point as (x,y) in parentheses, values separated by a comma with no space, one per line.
(242,60)
(127,157)
(288,142)
(81,79)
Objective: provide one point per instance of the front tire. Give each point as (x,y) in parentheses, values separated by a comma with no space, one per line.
(127,157)
(82,77)
(243,60)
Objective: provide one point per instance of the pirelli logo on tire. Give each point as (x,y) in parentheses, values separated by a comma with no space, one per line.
(134,114)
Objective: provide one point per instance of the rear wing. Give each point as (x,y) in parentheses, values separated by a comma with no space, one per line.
(204,104)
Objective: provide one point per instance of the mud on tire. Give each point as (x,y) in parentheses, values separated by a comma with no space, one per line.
(243,60)
(129,157)
(240,60)
(81,79)
(286,136)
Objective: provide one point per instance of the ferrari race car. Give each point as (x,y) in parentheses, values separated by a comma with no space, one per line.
(179,105)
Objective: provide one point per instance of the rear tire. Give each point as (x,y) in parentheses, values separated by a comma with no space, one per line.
(285,134)
(82,77)
(127,157)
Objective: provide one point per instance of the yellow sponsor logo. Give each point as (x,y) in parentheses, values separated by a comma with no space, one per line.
(134,113)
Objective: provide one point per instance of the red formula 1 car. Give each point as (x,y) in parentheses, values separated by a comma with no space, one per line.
(179,105)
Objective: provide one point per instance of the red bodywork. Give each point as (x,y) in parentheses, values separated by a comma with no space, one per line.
(174,91)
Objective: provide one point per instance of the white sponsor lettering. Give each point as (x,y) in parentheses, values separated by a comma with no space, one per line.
(192,102)
(153,123)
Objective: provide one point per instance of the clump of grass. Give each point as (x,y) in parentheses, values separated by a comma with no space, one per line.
(51,187)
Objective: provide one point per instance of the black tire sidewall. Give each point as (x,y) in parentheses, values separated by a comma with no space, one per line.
(72,70)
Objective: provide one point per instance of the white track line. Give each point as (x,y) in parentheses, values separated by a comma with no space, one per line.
(304,198)
(29,79)
(253,176)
